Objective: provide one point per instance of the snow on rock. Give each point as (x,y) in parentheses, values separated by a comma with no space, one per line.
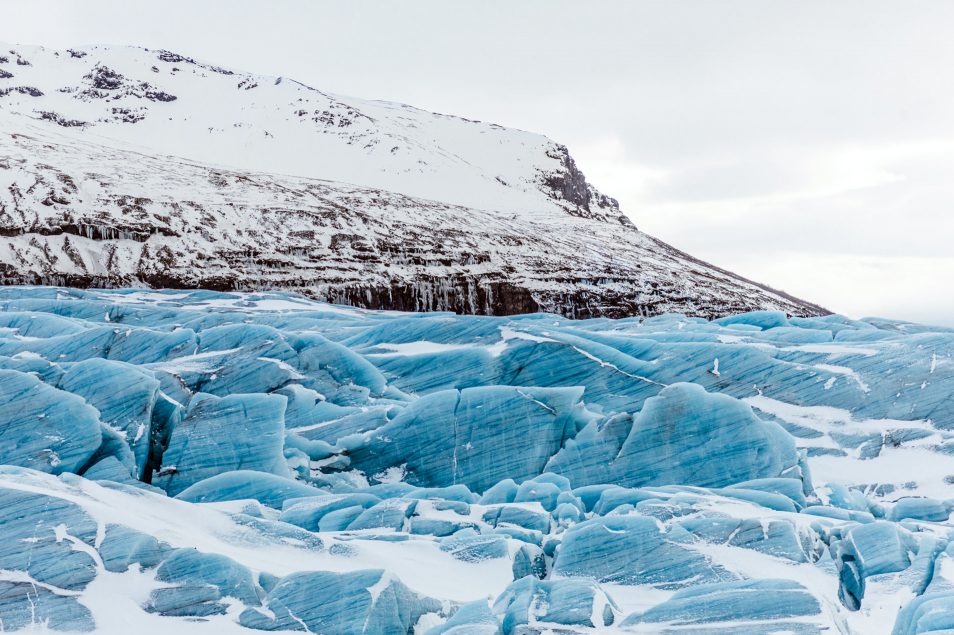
(204,462)
(275,124)
(124,166)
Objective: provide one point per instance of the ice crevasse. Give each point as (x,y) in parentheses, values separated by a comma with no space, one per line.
(222,462)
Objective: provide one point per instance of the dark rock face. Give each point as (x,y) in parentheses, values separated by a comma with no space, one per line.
(127,115)
(158,95)
(104,83)
(465,295)
(169,56)
(570,184)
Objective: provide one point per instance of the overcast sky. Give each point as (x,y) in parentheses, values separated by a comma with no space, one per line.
(807,145)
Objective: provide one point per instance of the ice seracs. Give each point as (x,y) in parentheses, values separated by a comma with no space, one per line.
(207,462)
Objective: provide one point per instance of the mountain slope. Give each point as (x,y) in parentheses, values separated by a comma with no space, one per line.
(202,463)
(125,167)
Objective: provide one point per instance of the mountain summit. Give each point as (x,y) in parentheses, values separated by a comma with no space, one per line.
(126,166)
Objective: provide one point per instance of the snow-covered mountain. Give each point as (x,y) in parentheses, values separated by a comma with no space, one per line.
(131,167)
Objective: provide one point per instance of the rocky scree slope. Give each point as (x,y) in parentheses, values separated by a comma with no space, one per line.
(132,167)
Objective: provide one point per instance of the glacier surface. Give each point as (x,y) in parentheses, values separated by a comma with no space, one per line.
(202,462)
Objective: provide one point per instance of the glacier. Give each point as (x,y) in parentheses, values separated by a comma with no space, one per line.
(224,462)
(214,178)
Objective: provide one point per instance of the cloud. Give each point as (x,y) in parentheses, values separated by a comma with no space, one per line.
(807,145)
(899,287)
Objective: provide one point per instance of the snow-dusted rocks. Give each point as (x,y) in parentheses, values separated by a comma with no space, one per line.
(132,167)
(230,462)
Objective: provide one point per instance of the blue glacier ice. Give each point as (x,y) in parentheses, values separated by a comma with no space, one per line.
(37,528)
(868,550)
(746,606)
(25,605)
(683,435)
(232,462)
(653,555)
(269,489)
(122,547)
(466,436)
(473,618)
(123,394)
(365,602)
(224,434)
(556,603)
(44,428)
(198,581)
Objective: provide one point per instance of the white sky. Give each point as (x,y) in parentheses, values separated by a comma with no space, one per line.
(808,145)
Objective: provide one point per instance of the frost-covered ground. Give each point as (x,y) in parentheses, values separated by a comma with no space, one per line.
(199,462)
